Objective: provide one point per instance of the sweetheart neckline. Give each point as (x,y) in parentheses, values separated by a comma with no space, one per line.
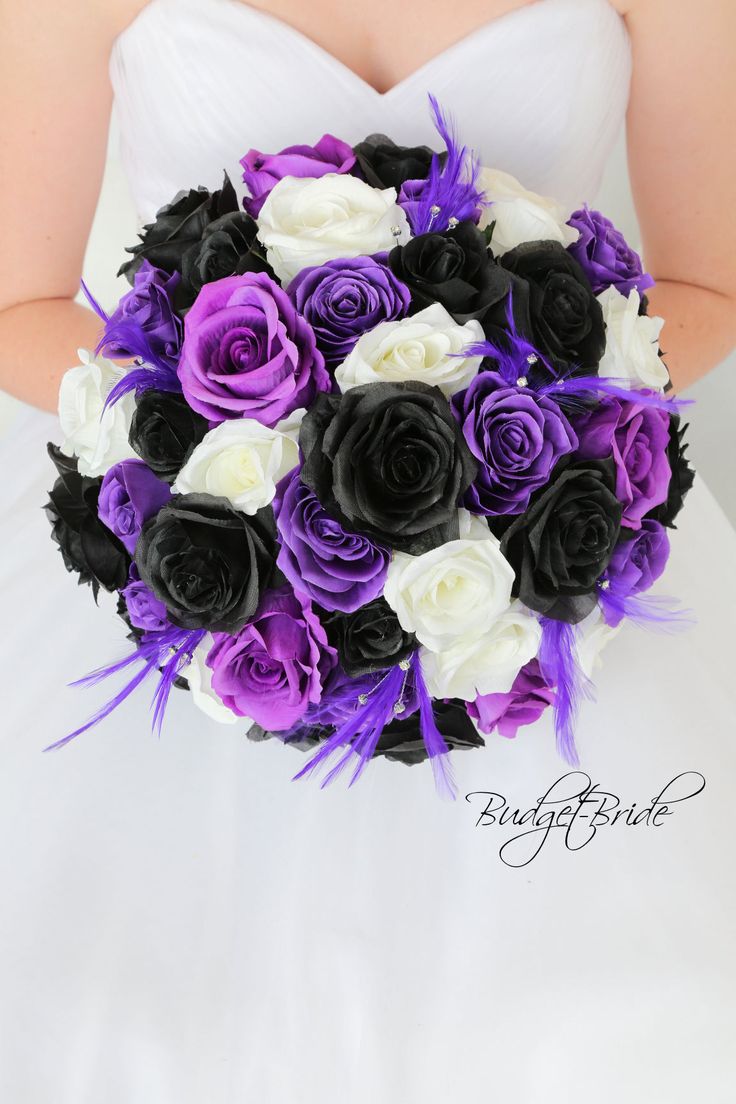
(330,60)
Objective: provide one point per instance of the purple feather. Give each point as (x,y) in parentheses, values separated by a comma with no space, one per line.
(651,611)
(93,302)
(580,387)
(558,660)
(434,741)
(167,651)
(360,732)
(450,190)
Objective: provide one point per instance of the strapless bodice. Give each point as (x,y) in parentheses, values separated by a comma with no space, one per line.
(540,93)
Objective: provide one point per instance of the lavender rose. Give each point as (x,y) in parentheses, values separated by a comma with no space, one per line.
(516,436)
(148,306)
(274,668)
(522,705)
(603,254)
(635,566)
(344,298)
(637,437)
(247,353)
(338,569)
(130,494)
(145,611)
(262,170)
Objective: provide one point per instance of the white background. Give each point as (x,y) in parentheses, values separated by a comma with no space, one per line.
(710,420)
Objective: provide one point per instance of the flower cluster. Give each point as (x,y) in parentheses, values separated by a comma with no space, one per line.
(390,454)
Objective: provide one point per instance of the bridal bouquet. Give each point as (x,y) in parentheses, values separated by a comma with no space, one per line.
(390,455)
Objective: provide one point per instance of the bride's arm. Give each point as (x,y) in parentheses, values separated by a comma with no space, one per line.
(682,159)
(55,107)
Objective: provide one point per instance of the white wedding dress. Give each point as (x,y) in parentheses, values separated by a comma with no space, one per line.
(180,923)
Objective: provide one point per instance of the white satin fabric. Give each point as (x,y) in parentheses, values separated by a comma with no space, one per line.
(182,924)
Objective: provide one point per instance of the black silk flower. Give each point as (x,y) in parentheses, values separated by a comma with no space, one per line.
(683,476)
(369,639)
(389,460)
(202,235)
(164,431)
(555,305)
(401,740)
(228,247)
(86,545)
(386,165)
(561,545)
(207,562)
(456,269)
(178,226)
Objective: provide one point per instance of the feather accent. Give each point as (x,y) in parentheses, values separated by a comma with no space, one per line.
(648,611)
(434,741)
(451,190)
(166,651)
(559,664)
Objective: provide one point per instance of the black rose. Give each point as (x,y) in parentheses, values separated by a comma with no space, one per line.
(178,226)
(454,268)
(207,562)
(563,542)
(682,475)
(555,304)
(87,546)
(402,741)
(386,165)
(164,431)
(369,639)
(388,459)
(228,247)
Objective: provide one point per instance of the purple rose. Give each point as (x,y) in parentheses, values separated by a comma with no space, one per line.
(637,437)
(338,569)
(130,494)
(516,436)
(148,305)
(634,567)
(275,667)
(604,256)
(145,611)
(262,170)
(522,705)
(247,353)
(343,299)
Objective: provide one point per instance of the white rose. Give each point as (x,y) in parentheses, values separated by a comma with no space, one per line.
(422,347)
(631,341)
(98,440)
(240,460)
(456,590)
(199,677)
(487,664)
(521,216)
(591,637)
(309,221)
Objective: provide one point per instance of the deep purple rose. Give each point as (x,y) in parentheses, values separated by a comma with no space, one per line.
(247,353)
(522,705)
(274,668)
(130,494)
(634,567)
(145,611)
(345,298)
(148,306)
(603,254)
(262,170)
(338,569)
(516,436)
(637,437)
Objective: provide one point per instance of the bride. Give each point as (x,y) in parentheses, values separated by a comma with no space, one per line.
(179,922)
